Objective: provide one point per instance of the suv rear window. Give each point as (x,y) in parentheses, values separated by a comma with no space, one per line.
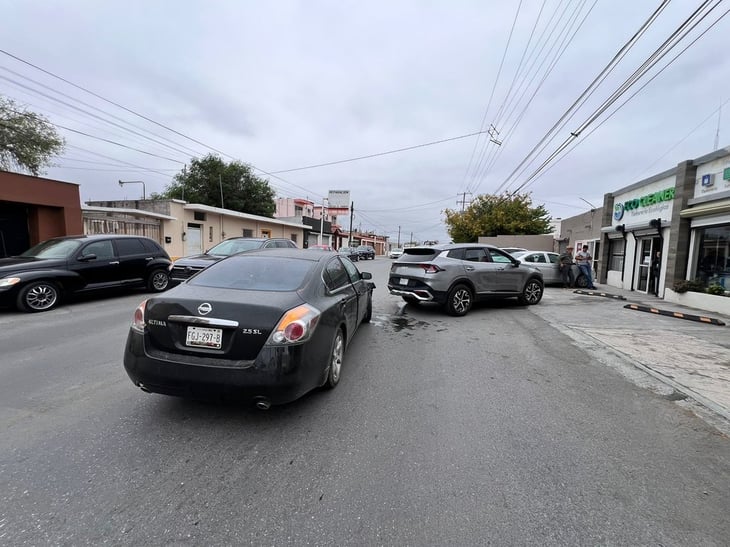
(419,254)
(255,273)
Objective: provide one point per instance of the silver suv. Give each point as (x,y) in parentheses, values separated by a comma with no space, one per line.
(456,275)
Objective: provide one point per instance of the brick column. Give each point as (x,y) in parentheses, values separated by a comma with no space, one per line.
(679,232)
(606,220)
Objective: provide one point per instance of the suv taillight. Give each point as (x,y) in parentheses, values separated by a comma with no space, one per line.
(430,268)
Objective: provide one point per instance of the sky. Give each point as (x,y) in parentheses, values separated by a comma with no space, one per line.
(287,84)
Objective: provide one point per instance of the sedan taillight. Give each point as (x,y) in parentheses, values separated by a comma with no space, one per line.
(138,323)
(295,326)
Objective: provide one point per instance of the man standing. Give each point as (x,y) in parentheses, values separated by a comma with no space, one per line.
(585,265)
(565,264)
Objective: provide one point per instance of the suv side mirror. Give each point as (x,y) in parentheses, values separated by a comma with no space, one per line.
(366,275)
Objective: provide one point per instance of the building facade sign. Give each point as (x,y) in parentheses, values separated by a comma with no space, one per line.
(640,205)
(712,177)
(338,199)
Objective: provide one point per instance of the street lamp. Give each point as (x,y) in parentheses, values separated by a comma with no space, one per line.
(144,192)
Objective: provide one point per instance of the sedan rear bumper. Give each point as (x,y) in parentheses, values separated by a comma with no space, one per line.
(279,374)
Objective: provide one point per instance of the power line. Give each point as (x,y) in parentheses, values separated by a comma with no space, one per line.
(405,149)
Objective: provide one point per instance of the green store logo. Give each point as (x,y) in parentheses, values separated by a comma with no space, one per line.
(645,201)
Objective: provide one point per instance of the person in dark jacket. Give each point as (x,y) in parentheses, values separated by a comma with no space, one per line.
(655,270)
(565,264)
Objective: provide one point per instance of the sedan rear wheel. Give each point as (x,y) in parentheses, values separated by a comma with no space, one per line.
(532,293)
(459,300)
(38,296)
(581,281)
(335,363)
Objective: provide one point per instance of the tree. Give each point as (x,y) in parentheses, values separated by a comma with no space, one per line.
(490,215)
(28,141)
(206,179)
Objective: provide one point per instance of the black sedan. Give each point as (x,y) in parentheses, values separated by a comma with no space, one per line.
(263,326)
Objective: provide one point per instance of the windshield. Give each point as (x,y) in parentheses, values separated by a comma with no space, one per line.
(53,248)
(518,254)
(232,246)
(257,273)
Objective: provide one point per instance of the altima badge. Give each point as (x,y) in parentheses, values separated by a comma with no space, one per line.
(205,308)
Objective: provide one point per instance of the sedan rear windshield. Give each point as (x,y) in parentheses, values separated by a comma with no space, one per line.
(419,254)
(233,246)
(256,273)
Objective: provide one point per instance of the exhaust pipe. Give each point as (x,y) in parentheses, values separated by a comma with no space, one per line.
(262,403)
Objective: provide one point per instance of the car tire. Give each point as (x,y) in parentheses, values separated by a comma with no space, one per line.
(158,280)
(459,300)
(581,282)
(334,367)
(38,296)
(369,312)
(532,293)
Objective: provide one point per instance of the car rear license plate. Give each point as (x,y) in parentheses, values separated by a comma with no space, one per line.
(403,281)
(203,337)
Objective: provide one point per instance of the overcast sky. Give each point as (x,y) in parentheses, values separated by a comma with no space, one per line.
(286,84)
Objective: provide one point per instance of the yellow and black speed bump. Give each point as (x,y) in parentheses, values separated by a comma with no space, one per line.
(678,315)
(598,293)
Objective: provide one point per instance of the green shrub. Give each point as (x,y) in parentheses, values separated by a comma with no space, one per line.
(692,285)
(716,289)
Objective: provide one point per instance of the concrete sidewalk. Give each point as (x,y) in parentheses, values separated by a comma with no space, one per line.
(692,357)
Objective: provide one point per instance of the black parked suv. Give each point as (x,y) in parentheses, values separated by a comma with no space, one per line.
(185,267)
(366,252)
(38,279)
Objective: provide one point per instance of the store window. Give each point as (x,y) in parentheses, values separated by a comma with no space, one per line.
(713,260)
(617,250)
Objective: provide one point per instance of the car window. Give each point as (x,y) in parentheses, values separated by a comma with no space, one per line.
(54,248)
(535,258)
(233,246)
(554,258)
(497,256)
(456,253)
(150,246)
(257,273)
(418,254)
(283,244)
(352,271)
(335,275)
(102,249)
(475,255)
(132,246)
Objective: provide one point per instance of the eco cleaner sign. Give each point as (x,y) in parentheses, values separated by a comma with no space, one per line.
(648,204)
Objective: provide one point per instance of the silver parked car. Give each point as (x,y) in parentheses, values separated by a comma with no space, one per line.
(455,275)
(549,264)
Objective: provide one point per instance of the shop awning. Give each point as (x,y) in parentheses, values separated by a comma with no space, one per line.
(712,208)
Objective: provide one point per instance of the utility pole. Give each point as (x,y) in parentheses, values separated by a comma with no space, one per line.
(183,180)
(411,241)
(220,183)
(352,213)
(717,133)
(463,200)
(399,237)
(321,223)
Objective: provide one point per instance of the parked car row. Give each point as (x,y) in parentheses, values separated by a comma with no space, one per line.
(549,265)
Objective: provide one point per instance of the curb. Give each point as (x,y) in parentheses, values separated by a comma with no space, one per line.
(603,294)
(678,315)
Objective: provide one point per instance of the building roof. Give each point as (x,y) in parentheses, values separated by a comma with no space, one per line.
(229,213)
(136,212)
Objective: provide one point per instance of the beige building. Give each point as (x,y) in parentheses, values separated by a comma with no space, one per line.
(183,228)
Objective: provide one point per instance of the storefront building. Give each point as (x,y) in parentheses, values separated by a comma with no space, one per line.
(672,230)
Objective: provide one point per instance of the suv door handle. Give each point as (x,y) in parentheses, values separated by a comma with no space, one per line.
(469,268)
(115,262)
(148,258)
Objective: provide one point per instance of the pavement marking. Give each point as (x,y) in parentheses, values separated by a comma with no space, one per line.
(678,315)
(603,294)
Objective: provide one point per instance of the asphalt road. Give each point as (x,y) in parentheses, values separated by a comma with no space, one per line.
(491,429)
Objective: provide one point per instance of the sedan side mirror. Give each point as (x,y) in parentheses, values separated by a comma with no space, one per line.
(366,275)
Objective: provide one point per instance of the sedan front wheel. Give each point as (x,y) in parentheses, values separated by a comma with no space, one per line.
(337,355)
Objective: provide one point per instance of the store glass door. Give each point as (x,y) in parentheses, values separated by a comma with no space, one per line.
(647,248)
